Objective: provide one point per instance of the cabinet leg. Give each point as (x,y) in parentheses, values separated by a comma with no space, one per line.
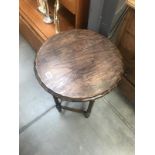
(58,104)
(87,113)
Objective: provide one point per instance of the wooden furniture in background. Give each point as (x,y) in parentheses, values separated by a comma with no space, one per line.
(78,65)
(36,31)
(131,3)
(126,45)
(80,9)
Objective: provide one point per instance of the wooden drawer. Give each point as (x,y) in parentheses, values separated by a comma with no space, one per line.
(70,5)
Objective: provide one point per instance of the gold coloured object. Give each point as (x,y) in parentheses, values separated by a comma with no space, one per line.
(56,18)
(47,18)
(44,9)
(41,6)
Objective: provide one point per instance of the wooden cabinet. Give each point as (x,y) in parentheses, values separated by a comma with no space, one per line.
(72,14)
(79,8)
(126,45)
(70,5)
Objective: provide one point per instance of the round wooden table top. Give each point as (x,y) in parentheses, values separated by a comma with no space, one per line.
(78,65)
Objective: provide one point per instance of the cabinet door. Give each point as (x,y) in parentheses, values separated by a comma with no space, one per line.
(129,67)
(127,46)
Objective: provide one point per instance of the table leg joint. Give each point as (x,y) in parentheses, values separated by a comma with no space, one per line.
(88,111)
(85,113)
(58,104)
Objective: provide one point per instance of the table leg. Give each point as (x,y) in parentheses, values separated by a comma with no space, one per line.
(87,113)
(58,104)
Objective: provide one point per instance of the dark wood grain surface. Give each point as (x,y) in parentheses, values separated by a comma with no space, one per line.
(78,65)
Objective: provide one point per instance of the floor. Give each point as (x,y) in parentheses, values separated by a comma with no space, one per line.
(43,131)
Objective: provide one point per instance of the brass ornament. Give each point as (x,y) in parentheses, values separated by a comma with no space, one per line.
(44,9)
(41,6)
(56,16)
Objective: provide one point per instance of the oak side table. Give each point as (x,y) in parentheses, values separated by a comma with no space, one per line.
(78,65)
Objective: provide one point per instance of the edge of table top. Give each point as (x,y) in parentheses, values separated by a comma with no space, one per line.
(68,98)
